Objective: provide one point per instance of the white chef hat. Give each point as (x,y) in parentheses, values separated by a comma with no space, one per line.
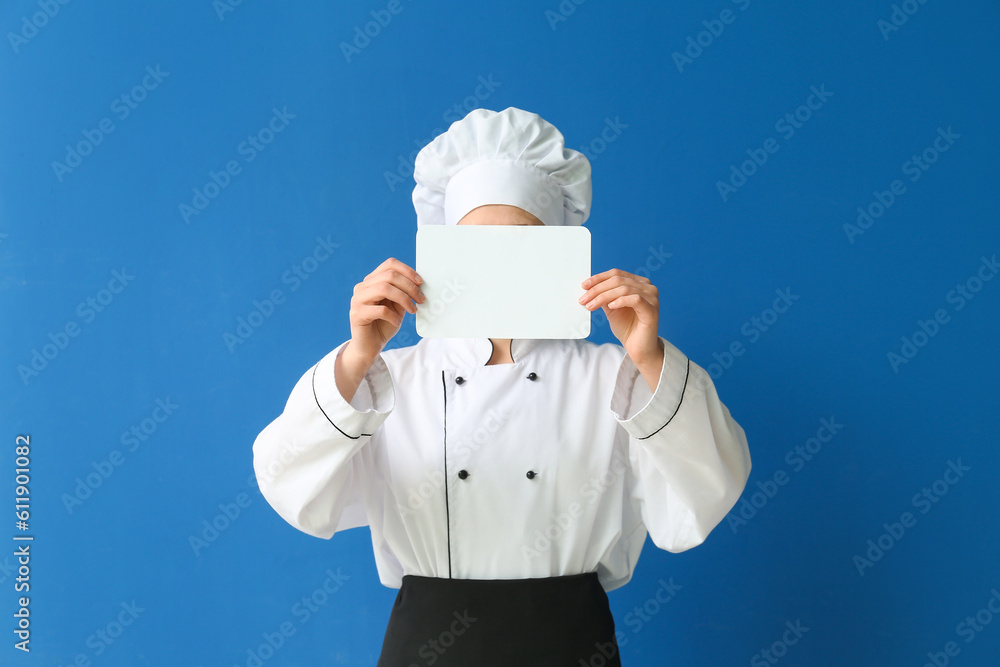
(509,157)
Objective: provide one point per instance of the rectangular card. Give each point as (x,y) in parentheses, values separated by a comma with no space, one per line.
(502,281)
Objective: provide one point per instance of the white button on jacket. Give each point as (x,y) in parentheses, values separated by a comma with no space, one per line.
(481,472)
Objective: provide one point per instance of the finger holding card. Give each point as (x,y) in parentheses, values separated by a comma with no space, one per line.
(632,306)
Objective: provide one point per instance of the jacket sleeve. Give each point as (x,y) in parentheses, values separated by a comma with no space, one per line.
(689,459)
(310,461)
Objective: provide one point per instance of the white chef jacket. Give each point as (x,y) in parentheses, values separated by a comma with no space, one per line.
(556,464)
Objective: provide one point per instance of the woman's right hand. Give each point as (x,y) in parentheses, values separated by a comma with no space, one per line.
(379,303)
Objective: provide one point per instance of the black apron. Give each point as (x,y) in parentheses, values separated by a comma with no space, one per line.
(547,622)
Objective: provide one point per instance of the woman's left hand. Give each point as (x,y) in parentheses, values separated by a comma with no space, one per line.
(632,305)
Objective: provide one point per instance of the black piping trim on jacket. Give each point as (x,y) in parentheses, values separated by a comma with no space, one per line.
(316,398)
(444,424)
(679,403)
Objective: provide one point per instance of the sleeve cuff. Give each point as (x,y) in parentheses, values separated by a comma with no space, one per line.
(641,412)
(371,404)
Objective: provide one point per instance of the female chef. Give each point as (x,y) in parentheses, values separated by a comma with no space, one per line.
(508,484)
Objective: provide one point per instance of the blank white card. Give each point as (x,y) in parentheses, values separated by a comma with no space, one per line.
(502,281)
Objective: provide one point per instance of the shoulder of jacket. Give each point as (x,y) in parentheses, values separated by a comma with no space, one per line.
(409,356)
(586,350)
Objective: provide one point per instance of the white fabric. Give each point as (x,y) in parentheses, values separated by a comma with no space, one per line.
(612,460)
(503,182)
(511,157)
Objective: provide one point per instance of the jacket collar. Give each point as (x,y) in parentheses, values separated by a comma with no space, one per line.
(477,351)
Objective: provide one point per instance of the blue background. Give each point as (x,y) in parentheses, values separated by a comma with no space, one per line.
(339,170)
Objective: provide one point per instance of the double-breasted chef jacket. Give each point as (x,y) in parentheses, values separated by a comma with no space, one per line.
(556,464)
